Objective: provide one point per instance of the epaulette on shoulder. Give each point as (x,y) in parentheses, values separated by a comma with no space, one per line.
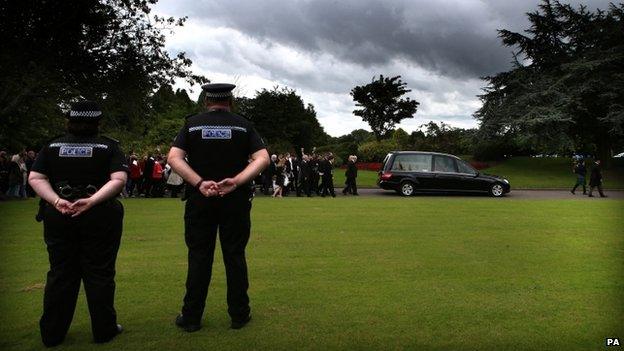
(111,139)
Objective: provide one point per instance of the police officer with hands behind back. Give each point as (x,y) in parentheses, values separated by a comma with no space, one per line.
(225,153)
(78,176)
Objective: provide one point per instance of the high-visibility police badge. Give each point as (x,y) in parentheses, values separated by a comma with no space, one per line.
(75,151)
(214,133)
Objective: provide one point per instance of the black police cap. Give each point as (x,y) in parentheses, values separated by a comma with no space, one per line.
(218,90)
(85,111)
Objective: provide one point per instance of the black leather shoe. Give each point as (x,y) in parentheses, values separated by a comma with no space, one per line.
(241,323)
(187,327)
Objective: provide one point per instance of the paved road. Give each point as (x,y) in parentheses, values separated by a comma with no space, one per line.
(514,194)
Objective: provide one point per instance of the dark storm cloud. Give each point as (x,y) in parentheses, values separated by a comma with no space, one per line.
(452,38)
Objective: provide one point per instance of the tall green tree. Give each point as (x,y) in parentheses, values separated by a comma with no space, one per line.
(54,52)
(382,104)
(168,109)
(566,89)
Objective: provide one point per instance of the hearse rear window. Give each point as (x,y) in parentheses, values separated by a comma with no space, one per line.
(414,163)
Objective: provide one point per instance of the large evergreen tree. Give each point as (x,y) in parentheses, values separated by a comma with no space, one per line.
(566,89)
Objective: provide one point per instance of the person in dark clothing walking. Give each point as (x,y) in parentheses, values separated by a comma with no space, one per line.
(148,183)
(305,175)
(4,173)
(351,175)
(595,179)
(581,172)
(292,170)
(280,176)
(326,170)
(315,164)
(15,177)
(268,174)
(30,159)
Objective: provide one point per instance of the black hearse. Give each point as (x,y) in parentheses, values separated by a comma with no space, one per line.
(409,172)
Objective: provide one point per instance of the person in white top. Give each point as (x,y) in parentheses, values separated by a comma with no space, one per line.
(174,181)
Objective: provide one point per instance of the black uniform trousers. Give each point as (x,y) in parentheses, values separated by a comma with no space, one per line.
(82,248)
(203,217)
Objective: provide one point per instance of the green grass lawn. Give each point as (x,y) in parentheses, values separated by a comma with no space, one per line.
(426,273)
(522,172)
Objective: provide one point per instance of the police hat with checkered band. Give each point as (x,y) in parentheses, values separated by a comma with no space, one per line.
(85,111)
(218,91)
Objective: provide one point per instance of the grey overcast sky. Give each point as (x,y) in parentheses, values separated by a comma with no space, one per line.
(323,48)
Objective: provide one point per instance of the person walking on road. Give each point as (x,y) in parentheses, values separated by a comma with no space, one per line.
(351,175)
(581,173)
(595,179)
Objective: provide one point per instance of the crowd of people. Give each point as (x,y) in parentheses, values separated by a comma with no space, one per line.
(309,175)
(312,174)
(14,170)
(151,176)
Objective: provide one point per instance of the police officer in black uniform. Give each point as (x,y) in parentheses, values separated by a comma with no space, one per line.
(225,153)
(78,176)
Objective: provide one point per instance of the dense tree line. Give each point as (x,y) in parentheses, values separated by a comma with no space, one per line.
(564,93)
(281,117)
(432,136)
